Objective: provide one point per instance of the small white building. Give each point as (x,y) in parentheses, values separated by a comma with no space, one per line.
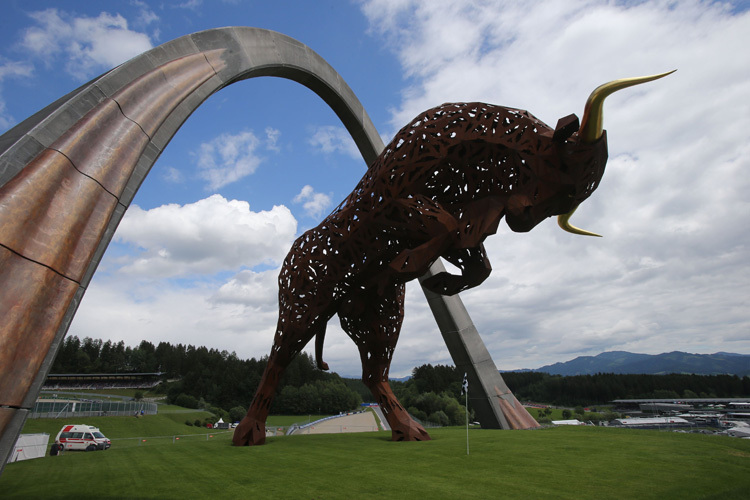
(221,424)
(568,422)
(652,422)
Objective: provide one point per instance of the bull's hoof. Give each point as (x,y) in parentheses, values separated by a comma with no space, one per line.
(249,432)
(410,432)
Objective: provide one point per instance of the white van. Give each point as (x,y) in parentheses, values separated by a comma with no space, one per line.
(82,437)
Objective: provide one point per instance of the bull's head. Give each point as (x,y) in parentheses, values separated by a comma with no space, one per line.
(574,163)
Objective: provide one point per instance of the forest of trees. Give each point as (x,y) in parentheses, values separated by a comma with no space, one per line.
(581,390)
(584,390)
(225,384)
(207,378)
(433,394)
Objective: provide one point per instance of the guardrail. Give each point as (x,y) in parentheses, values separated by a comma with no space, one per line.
(72,409)
(119,443)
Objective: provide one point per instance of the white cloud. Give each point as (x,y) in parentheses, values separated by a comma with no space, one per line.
(173,175)
(11,69)
(315,204)
(671,272)
(272,139)
(190,4)
(146,16)
(334,139)
(205,237)
(251,289)
(88,44)
(200,242)
(178,314)
(228,158)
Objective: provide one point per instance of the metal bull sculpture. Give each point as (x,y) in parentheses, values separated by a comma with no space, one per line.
(438,189)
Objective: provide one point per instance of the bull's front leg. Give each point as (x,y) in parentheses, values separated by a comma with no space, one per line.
(373,321)
(420,219)
(474,266)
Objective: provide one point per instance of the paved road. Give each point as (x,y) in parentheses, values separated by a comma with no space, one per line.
(357,422)
(383,421)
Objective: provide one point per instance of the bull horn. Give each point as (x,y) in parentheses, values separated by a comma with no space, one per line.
(564,222)
(592,124)
(592,128)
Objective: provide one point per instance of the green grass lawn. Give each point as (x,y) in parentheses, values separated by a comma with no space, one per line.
(564,462)
(128,431)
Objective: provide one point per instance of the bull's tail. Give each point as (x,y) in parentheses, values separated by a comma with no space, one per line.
(319,338)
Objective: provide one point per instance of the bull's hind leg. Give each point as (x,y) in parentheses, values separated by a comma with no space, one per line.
(252,429)
(374,321)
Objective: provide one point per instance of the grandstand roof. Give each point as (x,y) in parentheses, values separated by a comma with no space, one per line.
(102,375)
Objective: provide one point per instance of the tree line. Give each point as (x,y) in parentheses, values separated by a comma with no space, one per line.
(601,388)
(222,382)
(198,377)
(581,390)
(428,382)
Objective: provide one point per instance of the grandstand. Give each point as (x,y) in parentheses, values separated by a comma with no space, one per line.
(67,407)
(59,381)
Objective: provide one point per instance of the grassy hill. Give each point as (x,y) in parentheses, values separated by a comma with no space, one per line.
(565,462)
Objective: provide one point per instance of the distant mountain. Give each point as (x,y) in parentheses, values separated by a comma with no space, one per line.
(656,364)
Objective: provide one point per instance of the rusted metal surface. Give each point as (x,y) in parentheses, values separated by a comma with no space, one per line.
(33,300)
(149,99)
(438,190)
(56,210)
(118,137)
(55,214)
(514,412)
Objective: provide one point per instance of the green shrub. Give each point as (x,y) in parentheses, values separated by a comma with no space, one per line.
(237,413)
(187,401)
(440,418)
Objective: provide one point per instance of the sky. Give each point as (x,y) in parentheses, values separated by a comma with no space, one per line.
(196,257)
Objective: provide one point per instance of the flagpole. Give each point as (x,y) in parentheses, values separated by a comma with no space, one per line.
(467,422)
(465,390)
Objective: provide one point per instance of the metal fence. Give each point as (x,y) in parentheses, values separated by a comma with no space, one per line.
(176,439)
(70,409)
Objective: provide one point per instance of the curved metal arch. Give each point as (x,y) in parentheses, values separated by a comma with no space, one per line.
(69,172)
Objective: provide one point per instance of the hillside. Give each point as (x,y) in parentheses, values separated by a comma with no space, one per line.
(623,362)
